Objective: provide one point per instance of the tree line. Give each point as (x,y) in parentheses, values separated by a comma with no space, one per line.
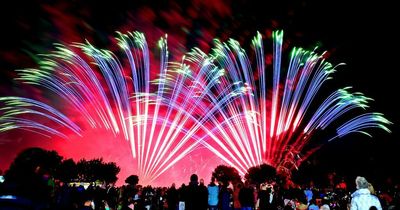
(39,163)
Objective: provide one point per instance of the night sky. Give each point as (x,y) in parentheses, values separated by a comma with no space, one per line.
(363,36)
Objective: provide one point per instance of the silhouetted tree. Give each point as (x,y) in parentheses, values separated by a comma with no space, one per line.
(84,173)
(225,174)
(96,169)
(109,172)
(33,161)
(260,174)
(67,171)
(31,172)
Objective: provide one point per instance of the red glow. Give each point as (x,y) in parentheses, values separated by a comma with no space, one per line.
(100,143)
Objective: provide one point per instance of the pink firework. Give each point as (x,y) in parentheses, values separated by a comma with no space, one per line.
(169,111)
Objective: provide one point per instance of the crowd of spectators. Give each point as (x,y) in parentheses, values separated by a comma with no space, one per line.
(198,195)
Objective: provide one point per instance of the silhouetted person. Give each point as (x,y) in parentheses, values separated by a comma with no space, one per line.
(266,198)
(225,197)
(246,197)
(235,196)
(172,197)
(193,196)
(203,195)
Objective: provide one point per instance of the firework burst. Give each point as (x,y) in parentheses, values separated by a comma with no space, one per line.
(273,122)
(165,110)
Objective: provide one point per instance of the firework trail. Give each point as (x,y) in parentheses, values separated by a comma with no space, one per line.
(159,112)
(272,123)
(212,100)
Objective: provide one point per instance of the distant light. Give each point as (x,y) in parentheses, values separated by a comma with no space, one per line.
(10,197)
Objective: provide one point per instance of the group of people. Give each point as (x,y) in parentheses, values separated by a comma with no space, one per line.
(244,197)
(197,195)
(268,196)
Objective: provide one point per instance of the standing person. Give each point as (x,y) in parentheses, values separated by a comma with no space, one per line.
(236,202)
(182,197)
(213,193)
(246,197)
(262,198)
(225,197)
(266,198)
(203,195)
(313,205)
(309,194)
(193,196)
(362,199)
(172,197)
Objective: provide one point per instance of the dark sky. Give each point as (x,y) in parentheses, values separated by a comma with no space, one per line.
(364,36)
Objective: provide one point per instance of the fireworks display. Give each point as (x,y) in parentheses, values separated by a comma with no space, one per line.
(227,101)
